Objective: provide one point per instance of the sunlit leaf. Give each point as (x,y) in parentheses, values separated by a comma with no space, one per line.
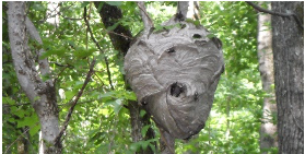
(34,130)
(117,106)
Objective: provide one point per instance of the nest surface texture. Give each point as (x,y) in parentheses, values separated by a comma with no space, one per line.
(174,73)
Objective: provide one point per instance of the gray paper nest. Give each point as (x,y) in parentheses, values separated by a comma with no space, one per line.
(174,73)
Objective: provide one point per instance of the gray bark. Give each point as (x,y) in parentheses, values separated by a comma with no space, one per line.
(148,24)
(41,94)
(182,9)
(268,137)
(288,51)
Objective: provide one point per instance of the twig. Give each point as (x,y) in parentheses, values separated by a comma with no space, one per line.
(127,37)
(61,71)
(148,24)
(99,78)
(260,9)
(19,104)
(6,151)
(99,47)
(65,125)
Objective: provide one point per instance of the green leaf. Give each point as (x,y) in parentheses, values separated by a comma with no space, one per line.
(144,130)
(12,120)
(82,53)
(29,121)
(8,100)
(114,3)
(97,136)
(129,95)
(39,7)
(117,106)
(53,51)
(99,7)
(20,113)
(84,4)
(158,28)
(211,35)
(144,144)
(195,22)
(142,113)
(135,146)
(114,26)
(34,130)
(106,95)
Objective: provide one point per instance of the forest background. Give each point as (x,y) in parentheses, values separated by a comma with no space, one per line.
(100,122)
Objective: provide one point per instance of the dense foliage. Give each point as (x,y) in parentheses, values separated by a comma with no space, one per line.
(100,122)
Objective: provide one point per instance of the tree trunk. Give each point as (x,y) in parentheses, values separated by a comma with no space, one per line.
(288,50)
(41,94)
(268,138)
(121,38)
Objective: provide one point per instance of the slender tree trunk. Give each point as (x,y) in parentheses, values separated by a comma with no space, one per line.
(268,138)
(288,51)
(41,94)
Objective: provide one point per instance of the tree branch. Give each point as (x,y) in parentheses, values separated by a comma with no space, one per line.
(99,47)
(148,24)
(260,9)
(182,9)
(43,63)
(74,102)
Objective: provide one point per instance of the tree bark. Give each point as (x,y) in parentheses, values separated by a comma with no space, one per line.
(268,138)
(41,94)
(120,36)
(288,50)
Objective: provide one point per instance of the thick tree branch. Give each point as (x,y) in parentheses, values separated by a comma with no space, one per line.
(99,47)
(74,102)
(260,9)
(148,24)
(19,46)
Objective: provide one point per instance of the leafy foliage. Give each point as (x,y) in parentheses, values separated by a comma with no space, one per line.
(100,122)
